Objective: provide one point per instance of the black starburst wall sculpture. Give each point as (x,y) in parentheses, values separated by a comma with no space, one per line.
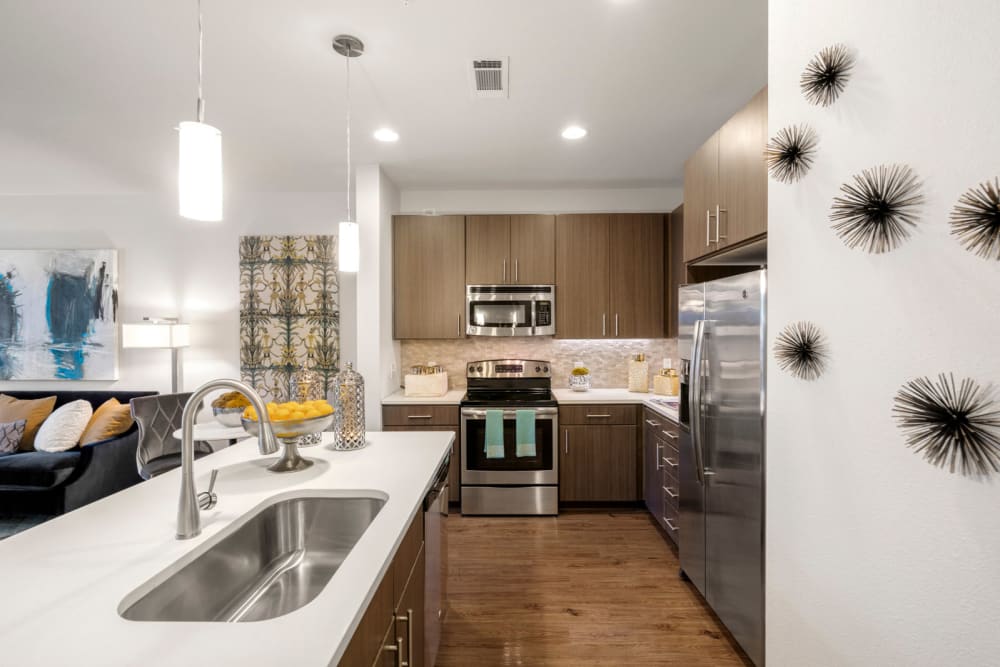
(826,75)
(801,350)
(878,209)
(954,427)
(975,220)
(790,153)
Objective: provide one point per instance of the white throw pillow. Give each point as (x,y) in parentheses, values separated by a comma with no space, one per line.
(63,428)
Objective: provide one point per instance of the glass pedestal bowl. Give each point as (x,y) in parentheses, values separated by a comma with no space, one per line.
(290,433)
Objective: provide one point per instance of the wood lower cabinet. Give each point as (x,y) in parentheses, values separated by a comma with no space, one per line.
(430,418)
(410,615)
(428,276)
(510,249)
(661,460)
(598,454)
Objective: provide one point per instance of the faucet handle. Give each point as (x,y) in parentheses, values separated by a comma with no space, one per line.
(207,499)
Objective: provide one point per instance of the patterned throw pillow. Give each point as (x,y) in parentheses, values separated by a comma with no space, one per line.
(10,436)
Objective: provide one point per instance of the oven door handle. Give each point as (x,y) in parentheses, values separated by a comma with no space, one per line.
(540,413)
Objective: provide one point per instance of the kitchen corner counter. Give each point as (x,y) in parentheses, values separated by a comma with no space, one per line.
(65,579)
(453,397)
(616,396)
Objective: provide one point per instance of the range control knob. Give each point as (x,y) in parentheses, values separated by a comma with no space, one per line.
(546,369)
(538,369)
(479,368)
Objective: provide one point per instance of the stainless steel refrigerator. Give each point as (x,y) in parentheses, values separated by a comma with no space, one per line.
(722,346)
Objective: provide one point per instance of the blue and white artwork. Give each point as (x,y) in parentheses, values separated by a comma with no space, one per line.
(58,315)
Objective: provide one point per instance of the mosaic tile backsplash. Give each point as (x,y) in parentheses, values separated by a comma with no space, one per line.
(606,359)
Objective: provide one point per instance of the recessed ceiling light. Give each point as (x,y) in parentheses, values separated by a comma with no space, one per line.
(386,134)
(574,132)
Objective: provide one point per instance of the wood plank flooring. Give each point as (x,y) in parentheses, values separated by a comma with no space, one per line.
(582,589)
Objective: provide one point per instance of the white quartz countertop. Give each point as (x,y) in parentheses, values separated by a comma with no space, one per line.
(453,397)
(63,581)
(612,396)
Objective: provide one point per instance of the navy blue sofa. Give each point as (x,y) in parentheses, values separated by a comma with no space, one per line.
(58,482)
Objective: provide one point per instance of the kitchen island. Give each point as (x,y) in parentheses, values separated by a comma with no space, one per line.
(64,581)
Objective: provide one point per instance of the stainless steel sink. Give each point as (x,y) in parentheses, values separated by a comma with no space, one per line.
(276,562)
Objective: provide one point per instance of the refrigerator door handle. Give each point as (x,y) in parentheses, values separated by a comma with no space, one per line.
(694,399)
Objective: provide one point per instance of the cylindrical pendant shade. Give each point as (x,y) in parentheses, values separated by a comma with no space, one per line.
(199,173)
(349,247)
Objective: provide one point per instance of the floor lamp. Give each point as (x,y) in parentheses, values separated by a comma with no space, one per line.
(165,332)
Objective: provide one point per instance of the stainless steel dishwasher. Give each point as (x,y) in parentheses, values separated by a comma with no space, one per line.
(436,568)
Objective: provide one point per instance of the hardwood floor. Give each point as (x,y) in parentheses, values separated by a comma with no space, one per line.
(580,589)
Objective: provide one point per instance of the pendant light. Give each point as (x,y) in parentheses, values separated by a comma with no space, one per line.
(199,169)
(348,241)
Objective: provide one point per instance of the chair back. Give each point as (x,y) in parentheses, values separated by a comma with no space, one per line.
(158,417)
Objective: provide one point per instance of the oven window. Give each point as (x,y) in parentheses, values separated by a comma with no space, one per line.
(475,447)
(500,314)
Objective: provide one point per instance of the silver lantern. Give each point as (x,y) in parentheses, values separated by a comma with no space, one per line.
(349,415)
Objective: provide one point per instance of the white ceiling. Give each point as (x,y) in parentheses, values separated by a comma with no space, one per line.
(92,89)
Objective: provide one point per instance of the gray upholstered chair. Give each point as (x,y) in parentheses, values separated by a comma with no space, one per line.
(158,417)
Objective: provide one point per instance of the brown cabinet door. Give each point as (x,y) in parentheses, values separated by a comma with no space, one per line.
(636,276)
(598,463)
(743,173)
(487,250)
(410,615)
(428,276)
(375,630)
(532,250)
(701,186)
(582,284)
(676,274)
(387,656)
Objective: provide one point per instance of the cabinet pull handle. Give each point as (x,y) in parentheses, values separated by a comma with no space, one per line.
(708,227)
(670,524)
(670,462)
(616,325)
(503,279)
(566,441)
(652,423)
(718,223)
(669,492)
(672,436)
(458,325)
(658,460)
(397,648)
(516,267)
(408,619)
(604,324)
(598,416)
(418,416)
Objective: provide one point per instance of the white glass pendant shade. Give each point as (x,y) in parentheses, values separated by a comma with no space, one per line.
(199,173)
(348,247)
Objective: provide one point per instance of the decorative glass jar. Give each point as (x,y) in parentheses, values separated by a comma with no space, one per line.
(638,373)
(349,409)
(579,377)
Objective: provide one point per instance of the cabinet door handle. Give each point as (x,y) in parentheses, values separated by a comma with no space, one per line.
(670,462)
(672,436)
(670,524)
(408,619)
(516,267)
(604,324)
(458,325)
(652,423)
(616,325)
(708,227)
(598,416)
(658,460)
(418,416)
(397,648)
(503,278)
(566,441)
(669,492)
(718,223)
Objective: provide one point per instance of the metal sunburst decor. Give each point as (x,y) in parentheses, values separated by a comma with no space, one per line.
(790,153)
(975,220)
(877,210)
(801,350)
(827,73)
(957,428)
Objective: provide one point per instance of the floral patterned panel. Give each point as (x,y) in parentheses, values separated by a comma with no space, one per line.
(289,311)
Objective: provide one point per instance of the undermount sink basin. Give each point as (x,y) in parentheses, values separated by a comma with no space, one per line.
(276,562)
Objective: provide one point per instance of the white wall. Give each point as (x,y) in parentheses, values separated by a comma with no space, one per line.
(378,353)
(875,557)
(171,266)
(584,200)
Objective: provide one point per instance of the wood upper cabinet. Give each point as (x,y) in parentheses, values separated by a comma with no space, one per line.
(743,173)
(609,276)
(598,463)
(582,275)
(428,276)
(725,184)
(510,249)
(676,275)
(636,307)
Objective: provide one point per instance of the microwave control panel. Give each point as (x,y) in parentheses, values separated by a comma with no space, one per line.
(543,313)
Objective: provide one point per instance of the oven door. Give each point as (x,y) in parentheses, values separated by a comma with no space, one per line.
(542,468)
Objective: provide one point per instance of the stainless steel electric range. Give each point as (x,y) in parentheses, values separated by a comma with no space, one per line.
(509,481)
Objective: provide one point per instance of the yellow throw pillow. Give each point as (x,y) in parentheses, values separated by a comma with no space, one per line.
(33,412)
(109,420)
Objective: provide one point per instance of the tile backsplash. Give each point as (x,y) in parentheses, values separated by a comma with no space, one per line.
(606,359)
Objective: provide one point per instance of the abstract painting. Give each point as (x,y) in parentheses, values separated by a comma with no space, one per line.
(289,311)
(58,315)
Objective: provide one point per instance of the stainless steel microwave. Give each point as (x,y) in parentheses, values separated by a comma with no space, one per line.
(510,310)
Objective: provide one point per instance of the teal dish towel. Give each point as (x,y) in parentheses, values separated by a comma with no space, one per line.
(494,434)
(525,433)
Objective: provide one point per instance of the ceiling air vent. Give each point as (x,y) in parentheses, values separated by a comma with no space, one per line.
(489,78)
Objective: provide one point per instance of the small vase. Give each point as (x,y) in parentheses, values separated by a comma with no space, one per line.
(349,414)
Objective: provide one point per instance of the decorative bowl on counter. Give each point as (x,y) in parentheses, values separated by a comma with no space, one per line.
(290,432)
(228,416)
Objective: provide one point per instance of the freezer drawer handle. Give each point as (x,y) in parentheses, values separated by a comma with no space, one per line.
(670,524)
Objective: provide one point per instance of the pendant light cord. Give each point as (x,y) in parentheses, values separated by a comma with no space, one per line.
(348,59)
(201,39)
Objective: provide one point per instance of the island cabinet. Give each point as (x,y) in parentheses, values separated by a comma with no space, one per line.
(391,632)
(725,184)
(610,276)
(598,453)
(510,249)
(428,276)
(430,418)
(661,460)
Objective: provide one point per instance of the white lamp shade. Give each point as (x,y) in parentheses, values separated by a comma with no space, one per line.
(349,247)
(199,172)
(156,334)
